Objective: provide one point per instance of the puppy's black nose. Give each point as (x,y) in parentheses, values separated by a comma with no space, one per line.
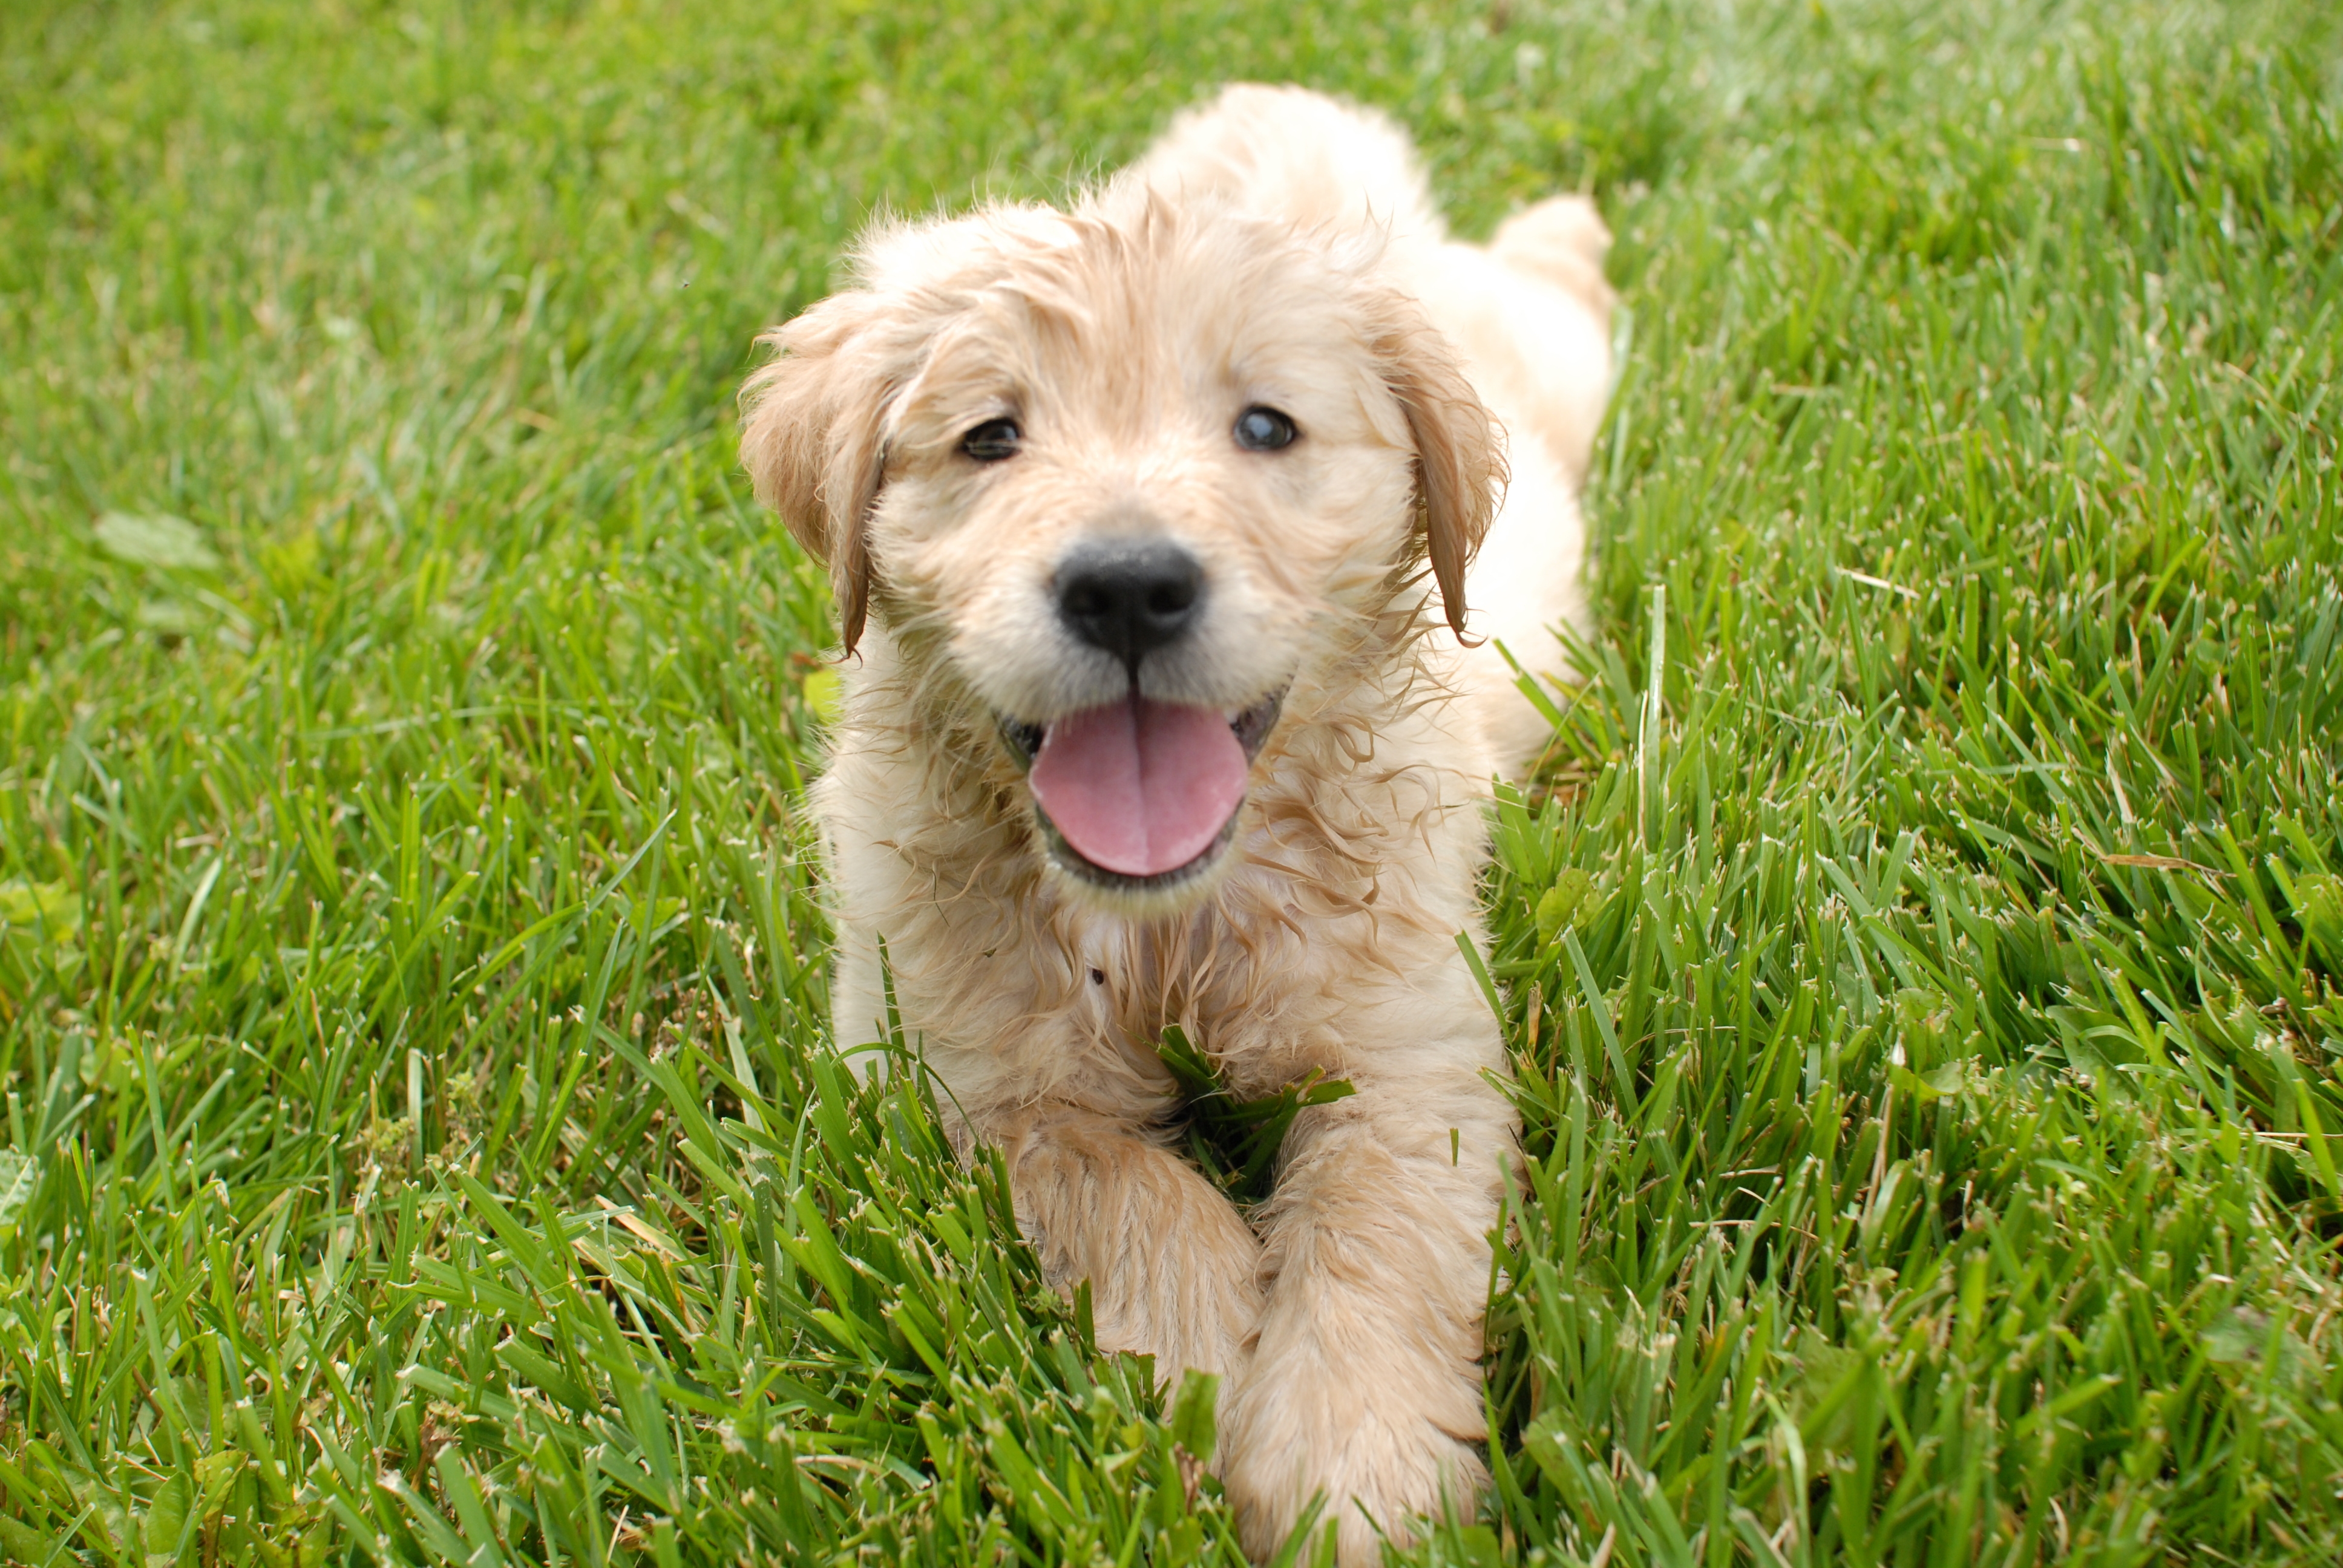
(1127,597)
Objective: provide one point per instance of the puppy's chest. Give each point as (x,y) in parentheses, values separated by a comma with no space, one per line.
(1257,1004)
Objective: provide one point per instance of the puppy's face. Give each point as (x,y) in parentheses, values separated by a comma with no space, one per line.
(1117,478)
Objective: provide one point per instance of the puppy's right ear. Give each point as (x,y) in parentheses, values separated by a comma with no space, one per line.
(812,440)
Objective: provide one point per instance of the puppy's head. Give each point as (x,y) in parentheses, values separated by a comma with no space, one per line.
(1112,479)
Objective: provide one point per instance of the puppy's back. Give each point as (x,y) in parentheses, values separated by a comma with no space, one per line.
(1288,151)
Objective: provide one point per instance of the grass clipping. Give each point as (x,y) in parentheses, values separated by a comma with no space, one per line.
(1235,1141)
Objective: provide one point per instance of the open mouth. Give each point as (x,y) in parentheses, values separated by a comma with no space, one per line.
(1140,795)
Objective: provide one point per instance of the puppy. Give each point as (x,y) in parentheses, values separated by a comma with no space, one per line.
(1153,524)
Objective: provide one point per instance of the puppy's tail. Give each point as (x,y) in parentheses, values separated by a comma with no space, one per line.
(1290,152)
(1561,240)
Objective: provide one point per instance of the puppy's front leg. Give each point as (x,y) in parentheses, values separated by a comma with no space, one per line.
(1364,1384)
(1173,1271)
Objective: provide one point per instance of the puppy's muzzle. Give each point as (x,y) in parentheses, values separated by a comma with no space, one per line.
(1138,794)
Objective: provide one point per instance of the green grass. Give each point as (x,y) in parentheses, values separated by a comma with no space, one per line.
(420,1141)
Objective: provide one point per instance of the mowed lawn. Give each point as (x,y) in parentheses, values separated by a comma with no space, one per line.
(1923,958)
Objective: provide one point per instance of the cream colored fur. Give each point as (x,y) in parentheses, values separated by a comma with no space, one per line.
(1274,248)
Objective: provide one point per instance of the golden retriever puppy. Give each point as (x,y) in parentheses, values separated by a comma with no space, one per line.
(1153,528)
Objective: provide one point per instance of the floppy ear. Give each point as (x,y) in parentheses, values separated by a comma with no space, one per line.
(1459,466)
(812,442)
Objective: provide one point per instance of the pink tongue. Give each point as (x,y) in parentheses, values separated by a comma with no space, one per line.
(1140,787)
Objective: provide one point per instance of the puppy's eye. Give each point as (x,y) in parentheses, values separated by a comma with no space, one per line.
(1261,429)
(993,440)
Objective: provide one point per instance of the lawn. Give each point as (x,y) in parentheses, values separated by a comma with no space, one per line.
(1923,959)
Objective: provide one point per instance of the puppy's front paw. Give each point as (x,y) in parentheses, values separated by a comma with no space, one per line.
(1359,1441)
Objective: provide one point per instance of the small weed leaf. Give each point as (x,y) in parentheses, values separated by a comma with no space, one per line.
(1560,905)
(40,925)
(1192,1424)
(823,695)
(159,540)
(20,1177)
(48,910)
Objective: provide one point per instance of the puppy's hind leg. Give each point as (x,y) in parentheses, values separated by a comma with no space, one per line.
(1173,1271)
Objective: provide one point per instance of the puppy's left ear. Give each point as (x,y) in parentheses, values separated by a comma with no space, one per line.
(812,440)
(1460,462)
